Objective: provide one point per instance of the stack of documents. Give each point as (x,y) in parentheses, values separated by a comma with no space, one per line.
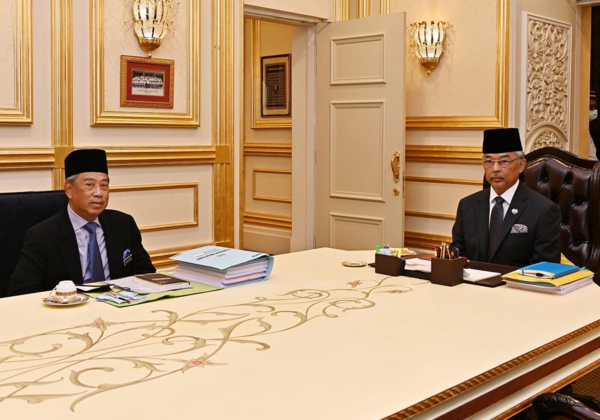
(141,284)
(223,267)
(418,264)
(553,278)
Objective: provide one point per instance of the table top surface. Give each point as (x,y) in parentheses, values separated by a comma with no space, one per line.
(316,340)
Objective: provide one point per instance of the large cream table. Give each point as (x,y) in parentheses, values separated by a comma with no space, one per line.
(315,341)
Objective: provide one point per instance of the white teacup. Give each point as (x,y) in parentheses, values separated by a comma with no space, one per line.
(65,291)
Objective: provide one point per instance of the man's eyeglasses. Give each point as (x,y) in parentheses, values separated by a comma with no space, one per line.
(503,163)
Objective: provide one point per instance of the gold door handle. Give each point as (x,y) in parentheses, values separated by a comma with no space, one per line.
(396,166)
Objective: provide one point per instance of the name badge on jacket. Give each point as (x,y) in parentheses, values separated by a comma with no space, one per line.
(127,257)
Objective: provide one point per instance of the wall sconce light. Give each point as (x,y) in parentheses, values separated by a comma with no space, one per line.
(427,42)
(152,22)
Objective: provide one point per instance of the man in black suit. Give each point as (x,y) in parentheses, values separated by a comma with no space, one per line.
(84,243)
(508,223)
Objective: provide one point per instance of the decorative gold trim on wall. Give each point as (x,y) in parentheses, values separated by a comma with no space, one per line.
(444,154)
(363,8)
(428,215)
(345,10)
(171,186)
(500,117)
(384,7)
(424,240)
(258,121)
(269,171)
(223,118)
(102,117)
(22,112)
(161,155)
(268,149)
(27,159)
(452,181)
(161,257)
(268,220)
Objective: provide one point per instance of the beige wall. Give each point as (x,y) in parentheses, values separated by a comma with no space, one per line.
(267,176)
(163,176)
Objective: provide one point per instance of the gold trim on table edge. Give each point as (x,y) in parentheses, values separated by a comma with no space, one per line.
(101,117)
(171,186)
(258,121)
(500,117)
(424,240)
(268,220)
(22,112)
(443,154)
(452,181)
(557,386)
(269,171)
(428,215)
(490,374)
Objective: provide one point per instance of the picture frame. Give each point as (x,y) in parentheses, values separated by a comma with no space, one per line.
(147,82)
(276,86)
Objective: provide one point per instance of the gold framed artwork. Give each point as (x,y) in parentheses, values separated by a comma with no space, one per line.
(107,105)
(16,95)
(276,84)
(259,120)
(147,82)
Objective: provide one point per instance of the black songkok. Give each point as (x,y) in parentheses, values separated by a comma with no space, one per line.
(501,140)
(85,160)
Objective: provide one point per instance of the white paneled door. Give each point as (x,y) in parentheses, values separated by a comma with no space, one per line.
(360,132)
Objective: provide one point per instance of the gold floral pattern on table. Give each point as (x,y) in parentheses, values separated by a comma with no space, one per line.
(103,355)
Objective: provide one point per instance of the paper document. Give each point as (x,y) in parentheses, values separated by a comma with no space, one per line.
(418,264)
(477,275)
(144,287)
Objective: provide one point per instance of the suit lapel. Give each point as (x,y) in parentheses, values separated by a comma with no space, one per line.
(115,262)
(515,210)
(482,214)
(69,249)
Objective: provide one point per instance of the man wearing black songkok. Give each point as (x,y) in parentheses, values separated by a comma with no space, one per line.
(84,243)
(508,223)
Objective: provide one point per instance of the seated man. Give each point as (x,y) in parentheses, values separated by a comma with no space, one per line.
(508,223)
(85,242)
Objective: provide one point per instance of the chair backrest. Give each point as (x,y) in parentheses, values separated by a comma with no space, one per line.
(18,213)
(574,184)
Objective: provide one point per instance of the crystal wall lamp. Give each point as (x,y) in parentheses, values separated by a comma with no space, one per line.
(152,22)
(427,42)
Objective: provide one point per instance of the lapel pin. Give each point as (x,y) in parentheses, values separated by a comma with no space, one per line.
(515,211)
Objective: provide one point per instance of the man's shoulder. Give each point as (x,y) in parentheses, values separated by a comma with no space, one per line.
(111,216)
(477,196)
(537,199)
(51,224)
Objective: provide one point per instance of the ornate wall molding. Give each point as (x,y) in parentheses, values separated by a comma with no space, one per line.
(546,80)
(22,111)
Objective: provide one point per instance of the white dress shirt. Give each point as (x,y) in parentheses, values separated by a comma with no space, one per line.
(83,238)
(507,196)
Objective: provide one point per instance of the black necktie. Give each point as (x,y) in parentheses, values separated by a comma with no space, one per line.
(495,225)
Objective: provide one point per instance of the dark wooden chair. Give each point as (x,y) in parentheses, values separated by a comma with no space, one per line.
(18,213)
(574,184)
(576,407)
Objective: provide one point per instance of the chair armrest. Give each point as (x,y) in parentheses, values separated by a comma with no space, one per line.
(549,405)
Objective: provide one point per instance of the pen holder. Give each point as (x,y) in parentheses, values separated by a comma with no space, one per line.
(389,265)
(447,272)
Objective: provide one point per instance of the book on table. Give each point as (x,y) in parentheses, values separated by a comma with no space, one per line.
(561,285)
(223,267)
(547,270)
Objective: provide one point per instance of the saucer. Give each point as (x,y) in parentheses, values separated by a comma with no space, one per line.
(53,301)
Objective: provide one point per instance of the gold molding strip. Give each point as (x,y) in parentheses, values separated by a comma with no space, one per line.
(161,155)
(269,171)
(345,10)
(258,121)
(452,181)
(427,215)
(424,240)
(171,186)
(363,8)
(223,111)
(161,257)
(268,220)
(500,117)
(384,7)
(268,149)
(444,154)
(102,117)
(27,158)
(22,111)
